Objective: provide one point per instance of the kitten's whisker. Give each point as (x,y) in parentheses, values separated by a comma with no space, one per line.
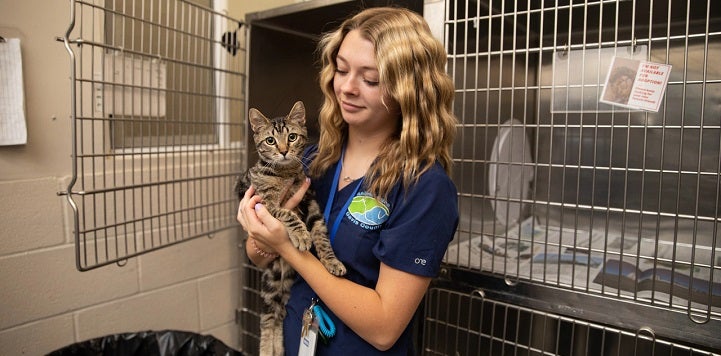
(297,159)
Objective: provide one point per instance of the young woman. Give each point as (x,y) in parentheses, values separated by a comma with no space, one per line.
(380,170)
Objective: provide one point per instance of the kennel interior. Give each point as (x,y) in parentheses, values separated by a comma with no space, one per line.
(591,210)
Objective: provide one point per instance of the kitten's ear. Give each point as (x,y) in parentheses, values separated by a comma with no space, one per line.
(257,120)
(297,113)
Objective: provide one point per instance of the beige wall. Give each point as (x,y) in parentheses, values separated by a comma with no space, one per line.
(45,303)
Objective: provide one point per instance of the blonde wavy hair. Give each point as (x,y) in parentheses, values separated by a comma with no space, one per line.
(412,71)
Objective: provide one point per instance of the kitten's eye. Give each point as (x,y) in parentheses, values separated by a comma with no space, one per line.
(270,140)
(292,137)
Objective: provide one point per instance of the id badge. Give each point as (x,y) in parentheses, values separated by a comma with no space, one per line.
(309,339)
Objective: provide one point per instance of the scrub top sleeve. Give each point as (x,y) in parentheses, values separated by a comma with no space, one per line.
(421,225)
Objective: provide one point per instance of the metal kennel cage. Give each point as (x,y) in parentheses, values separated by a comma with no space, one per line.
(593,211)
(157,136)
(460,323)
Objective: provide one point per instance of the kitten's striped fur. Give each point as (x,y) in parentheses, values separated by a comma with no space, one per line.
(280,142)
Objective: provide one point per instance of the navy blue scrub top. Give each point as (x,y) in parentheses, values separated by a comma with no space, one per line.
(409,232)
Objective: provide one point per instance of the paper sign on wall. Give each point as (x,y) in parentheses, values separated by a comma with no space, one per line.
(135,86)
(635,84)
(13,130)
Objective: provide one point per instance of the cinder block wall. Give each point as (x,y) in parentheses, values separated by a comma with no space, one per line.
(45,303)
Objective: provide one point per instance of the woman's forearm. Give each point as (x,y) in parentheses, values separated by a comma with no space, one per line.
(379,317)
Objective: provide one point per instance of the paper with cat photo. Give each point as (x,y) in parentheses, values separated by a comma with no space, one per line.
(635,84)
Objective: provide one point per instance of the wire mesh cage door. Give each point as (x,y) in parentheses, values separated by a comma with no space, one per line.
(157,135)
(484,326)
(588,154)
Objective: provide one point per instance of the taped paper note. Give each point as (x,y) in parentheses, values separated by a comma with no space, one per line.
(13,130)
(135,87)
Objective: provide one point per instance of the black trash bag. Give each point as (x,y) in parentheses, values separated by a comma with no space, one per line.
(151,343)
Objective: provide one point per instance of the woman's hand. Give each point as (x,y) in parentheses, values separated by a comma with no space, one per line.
(258,230)
(265,232)
(258,253)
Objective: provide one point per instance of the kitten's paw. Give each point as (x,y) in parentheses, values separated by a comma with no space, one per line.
(304,244)
(335,267)
(302,241)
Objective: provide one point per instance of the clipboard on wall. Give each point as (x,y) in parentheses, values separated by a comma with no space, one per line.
(13,128)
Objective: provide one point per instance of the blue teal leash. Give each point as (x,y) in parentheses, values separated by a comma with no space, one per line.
(325,324)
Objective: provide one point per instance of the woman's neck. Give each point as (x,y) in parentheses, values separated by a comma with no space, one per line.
(360,152)
(365,144)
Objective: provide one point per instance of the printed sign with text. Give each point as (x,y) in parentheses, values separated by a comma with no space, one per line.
(635,84)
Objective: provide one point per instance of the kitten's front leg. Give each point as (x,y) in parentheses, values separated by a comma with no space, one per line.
(319,234)
(297,232)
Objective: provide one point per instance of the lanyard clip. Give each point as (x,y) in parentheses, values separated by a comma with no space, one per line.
(327,328)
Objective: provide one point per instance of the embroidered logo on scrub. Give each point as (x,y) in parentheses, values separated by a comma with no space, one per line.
(367,212)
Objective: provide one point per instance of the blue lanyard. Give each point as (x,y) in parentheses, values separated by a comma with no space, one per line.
(331,197)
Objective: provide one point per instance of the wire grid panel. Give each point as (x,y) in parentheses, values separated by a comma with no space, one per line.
(560,189)
(157,108)
(252,305)
(469,324)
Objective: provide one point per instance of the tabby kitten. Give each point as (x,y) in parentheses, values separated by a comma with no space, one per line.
(280,142)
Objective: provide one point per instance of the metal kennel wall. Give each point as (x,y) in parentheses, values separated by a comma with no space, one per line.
(589,226)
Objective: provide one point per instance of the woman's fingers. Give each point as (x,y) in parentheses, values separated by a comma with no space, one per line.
(271,231)
(241,216)
(242,213)
(263,215)
(259,223)
(249,193)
